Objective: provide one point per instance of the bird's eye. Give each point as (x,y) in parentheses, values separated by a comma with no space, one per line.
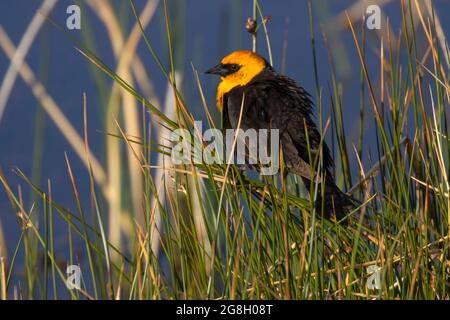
(230,68)
(235,67)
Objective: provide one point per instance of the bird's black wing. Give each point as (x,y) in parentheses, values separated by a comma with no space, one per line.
(271,101)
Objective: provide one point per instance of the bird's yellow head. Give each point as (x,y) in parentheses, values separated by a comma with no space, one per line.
(236,69)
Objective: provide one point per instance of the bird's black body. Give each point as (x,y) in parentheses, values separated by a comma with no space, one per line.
(273,101)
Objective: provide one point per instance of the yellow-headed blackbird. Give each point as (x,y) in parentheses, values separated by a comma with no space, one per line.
(273,101)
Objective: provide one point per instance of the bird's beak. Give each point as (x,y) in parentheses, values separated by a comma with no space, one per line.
(219,69)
